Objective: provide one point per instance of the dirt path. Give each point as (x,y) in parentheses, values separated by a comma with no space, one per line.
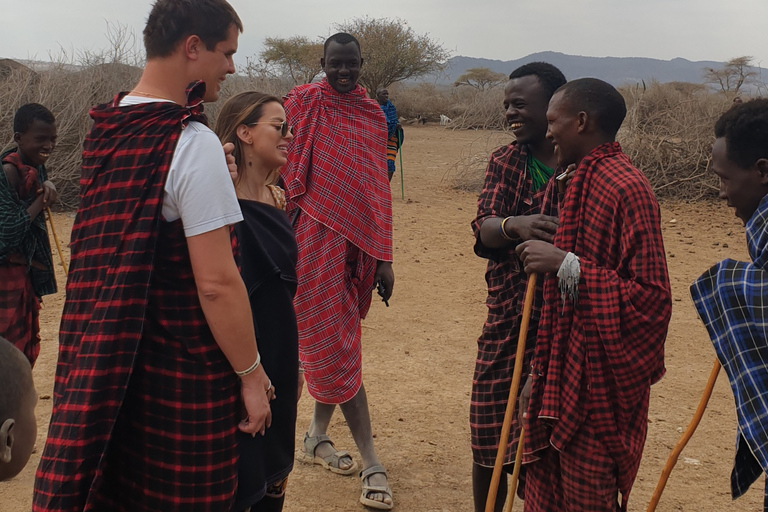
(419,357)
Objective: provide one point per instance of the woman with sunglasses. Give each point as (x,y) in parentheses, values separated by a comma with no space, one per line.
(265,249)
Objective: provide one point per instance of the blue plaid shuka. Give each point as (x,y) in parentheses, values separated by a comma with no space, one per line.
(732,300)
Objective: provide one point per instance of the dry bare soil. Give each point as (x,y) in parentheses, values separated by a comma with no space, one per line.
(419,356)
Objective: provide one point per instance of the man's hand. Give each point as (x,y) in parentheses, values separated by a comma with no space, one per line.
(50,194)
(525,399)
(257,393)
(534,227)
(540,257)
(229,153)
(562,183)
(386,275)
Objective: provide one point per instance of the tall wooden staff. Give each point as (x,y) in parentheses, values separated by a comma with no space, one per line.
(530,292)
(672,460)
(56,239)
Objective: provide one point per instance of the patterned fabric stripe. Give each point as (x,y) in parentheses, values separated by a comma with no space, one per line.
(334,294)
(19,311)
(339,142)
(582,477)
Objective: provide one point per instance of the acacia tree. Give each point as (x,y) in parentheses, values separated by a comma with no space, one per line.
(393,51)
(480,78)
(297,58)
(734,74)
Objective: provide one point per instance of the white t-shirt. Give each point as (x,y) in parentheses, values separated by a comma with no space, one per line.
(198,189)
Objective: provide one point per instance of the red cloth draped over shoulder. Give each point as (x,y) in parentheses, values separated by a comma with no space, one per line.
(28,183)
(336,171)
(600,357)
(126,158)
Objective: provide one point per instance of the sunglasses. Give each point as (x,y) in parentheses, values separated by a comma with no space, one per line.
(284,127)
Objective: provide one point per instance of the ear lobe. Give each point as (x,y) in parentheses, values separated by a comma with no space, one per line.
(16,137)
(322,62)
(362,60)
(6,440)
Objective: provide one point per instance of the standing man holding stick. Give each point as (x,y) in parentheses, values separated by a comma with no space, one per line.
(730,296)
(508,213)
(607,305)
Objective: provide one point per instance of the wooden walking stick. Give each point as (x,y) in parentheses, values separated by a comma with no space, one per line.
(400,150)
(515,472)
(56,239)
(512,400)
(672,460)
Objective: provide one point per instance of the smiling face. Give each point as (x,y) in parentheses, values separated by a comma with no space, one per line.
(743,189)
(37,143)
(563,129)
(525,106)
(213,65)
(269,147)
(341,64)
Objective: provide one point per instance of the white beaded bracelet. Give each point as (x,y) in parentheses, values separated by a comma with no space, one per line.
(252,368)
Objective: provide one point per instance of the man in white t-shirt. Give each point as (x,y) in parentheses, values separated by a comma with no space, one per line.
(156,327)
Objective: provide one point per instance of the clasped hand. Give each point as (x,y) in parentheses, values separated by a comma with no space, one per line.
(540,257)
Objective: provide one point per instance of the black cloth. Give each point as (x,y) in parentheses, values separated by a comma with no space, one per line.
(267,258)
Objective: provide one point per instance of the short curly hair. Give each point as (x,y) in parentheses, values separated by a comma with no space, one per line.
(745,128)
(341,38)
(550,78)
(28,114)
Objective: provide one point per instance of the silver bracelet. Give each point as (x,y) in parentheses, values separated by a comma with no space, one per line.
(252,368)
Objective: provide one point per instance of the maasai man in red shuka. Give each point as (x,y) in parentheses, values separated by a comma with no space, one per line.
(339,196)
(156,316)
(607,308)
(26,265)
(515,180)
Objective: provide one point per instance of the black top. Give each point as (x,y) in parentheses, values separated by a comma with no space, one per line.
(267,259)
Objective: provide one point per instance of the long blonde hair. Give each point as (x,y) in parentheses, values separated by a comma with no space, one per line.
(244,108)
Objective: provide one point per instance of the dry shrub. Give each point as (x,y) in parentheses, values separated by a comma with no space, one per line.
(480,109)
(425,100)
(69,88)
(468,173)
(668,133)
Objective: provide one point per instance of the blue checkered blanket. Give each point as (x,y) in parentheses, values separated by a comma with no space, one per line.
(732,301)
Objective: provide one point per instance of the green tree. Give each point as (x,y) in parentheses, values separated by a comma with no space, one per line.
(734,74)
(393,51)
(480,78)
(296,58)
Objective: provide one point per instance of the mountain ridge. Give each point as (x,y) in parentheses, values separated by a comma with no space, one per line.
(617,71)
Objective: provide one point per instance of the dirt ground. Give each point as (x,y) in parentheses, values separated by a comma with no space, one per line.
(419,356)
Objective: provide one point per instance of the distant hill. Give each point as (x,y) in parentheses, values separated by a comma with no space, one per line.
(615,70)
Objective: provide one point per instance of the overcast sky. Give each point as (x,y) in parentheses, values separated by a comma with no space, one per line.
(494,29)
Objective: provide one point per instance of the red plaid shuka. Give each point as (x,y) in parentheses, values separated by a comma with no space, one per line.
(336,177)
(19,310)
(507,191)
(145,403)
(336,164)
(598,359)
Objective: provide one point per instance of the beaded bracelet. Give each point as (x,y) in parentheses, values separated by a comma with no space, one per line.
(252,368)
(504,231)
